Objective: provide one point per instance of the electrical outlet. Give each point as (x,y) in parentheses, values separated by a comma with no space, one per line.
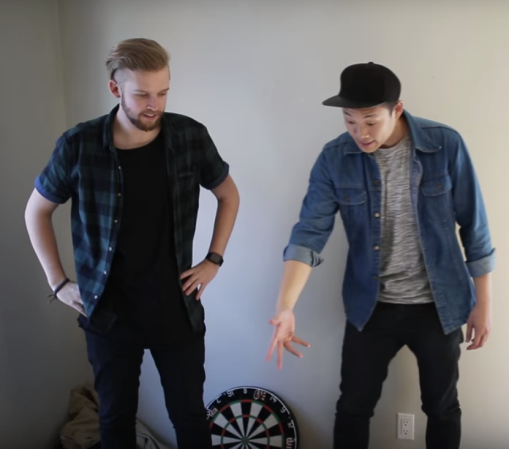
(405,426)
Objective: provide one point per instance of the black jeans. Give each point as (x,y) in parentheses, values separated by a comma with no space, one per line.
(366,358)
(117,366)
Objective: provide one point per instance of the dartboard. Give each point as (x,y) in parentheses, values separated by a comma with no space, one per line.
(251,417)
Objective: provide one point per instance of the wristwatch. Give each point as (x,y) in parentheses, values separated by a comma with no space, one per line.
(215,258)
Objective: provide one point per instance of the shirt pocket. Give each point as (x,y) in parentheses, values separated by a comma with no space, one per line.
(187,172)
(436,199)
(187,183)
(436,186)
(352,206)
(350,196)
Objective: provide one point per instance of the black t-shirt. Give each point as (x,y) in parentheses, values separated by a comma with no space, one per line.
(143,289)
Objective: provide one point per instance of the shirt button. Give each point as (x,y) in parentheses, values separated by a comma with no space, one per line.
(119,167)
(105,273)
(110,249)
(377,215)
(95,297)
(116,221)
(376,248)
(119,194)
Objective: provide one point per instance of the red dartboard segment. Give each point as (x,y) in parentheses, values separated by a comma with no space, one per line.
(251,417)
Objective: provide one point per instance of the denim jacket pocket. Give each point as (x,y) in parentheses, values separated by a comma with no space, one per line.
(352,206)
(350,196)
(436,186)
(438,205)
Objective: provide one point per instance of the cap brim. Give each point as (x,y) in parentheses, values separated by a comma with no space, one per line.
(340,102)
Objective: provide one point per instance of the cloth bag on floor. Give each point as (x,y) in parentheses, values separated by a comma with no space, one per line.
(82,430)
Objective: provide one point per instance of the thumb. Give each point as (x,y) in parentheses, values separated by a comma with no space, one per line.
(275,321)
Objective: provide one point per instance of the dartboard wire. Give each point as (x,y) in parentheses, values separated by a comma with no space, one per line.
(222,422)
(236,411)
(229,413)
(261,423)
(265,431)
(267,428)
(246,407)
(254,411)
(223,433)
(236,418)
(271,414)
(229,407)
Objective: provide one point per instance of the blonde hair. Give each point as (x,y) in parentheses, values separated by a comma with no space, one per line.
(137,54)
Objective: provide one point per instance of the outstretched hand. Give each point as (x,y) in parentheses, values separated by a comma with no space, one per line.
(284,336)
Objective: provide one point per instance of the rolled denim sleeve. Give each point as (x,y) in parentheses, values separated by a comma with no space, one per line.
(471,213)
(316,219)
(54,181)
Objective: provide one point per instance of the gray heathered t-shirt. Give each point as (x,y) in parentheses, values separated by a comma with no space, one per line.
(403,275)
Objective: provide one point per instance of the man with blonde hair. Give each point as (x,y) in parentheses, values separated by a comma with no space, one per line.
(134,177)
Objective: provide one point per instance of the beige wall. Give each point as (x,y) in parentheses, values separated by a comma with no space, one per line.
(255,73)
(41,350)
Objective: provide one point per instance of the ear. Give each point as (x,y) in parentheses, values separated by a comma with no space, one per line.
(398,109)
(114,88)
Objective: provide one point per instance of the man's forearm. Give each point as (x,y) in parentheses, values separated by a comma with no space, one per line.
(483,290)
(223,226)
(295,277)
(42,236)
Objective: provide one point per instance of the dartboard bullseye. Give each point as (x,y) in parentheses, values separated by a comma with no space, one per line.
(251,417)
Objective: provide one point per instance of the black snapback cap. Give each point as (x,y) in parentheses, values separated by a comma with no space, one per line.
(366,85)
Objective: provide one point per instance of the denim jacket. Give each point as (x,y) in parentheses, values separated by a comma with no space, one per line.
(445,192)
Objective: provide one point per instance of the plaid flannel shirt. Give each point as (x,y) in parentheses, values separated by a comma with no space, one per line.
(84,167)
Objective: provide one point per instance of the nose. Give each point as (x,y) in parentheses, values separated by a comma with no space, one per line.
(151,103)
(363,133)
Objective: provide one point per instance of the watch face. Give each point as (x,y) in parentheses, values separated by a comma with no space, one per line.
(215,258)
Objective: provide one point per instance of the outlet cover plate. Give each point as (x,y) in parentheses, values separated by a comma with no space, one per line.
(406,424)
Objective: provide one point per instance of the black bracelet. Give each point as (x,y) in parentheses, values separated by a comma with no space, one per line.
(53,296)
(59,286)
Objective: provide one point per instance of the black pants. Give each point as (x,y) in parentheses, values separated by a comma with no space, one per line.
(366,358)
(117,366)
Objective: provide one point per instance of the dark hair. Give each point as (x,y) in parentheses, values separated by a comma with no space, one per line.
(391,105)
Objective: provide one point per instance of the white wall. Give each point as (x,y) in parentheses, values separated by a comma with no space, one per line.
(41,350)
(255,73)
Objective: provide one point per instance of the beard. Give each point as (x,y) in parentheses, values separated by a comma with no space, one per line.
(136,120)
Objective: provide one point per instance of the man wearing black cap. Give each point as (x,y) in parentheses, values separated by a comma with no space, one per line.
(401,185)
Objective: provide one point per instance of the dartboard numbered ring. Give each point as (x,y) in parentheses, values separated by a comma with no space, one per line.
(251,418)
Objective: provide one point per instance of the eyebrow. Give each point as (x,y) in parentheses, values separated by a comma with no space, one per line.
(364,116)
(145,92)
